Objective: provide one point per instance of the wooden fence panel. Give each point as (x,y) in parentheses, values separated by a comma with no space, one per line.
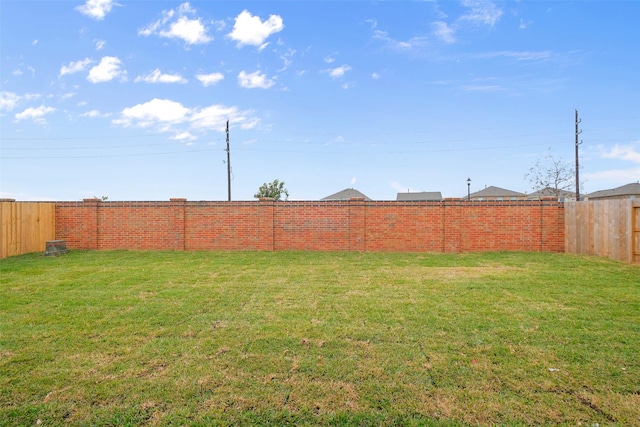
(601,227)
(635,226)
(25,227)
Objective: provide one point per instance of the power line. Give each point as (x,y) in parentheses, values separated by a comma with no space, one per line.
(495,147)
(101,156)
(87,147)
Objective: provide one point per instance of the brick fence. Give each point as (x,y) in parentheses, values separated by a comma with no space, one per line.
(452,225)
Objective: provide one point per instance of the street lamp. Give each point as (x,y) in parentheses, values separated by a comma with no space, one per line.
(468,188)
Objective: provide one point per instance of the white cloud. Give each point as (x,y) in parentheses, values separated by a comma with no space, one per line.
(287,59)
(338,72)
(524,25)
(27,197)
(156,111)
(170,116)
(107,70)
(190,30)
(399,45)
(210,79)
(96,9)
(483,12)
(8,100)
(35,114)
(94,113)
(75,67)
(215,117)
(540,55)
(443,32)
(250,30)
(376,75)
(617,176)
(329,59)
(175,24)
(100,44)
(254,80)
(156,76)
(622,152)
(185,137)
(401,188)
(478,13)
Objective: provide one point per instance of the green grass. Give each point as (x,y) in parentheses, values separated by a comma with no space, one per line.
(305,338)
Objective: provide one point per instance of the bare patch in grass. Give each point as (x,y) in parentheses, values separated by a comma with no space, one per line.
(459,273)
(52,395)
(222,350)
(322,396)
(146,295)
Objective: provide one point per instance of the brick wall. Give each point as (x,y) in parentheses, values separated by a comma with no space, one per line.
(452,225)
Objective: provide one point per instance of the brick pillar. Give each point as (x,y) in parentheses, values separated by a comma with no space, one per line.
(177,223)
(451,217)
(266,225)
(90,221)
(357,224)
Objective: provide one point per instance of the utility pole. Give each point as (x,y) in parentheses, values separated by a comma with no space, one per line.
(578,132)
(229,162)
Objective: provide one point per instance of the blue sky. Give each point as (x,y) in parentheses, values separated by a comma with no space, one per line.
(129,99)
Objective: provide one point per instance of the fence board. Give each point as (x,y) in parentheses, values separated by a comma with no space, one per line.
(603,228)
(25,227)
(635,230)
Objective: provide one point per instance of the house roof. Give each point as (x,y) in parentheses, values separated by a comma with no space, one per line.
(496,192)
(432,196)
(551,192)
(632,189)
(346,194)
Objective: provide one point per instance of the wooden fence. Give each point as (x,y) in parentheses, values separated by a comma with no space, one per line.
(25,227)
(607,228)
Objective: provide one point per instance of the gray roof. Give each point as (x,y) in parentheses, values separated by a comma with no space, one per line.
(632,189)
(496,192)
(431,196)
(346,194)
(552,192)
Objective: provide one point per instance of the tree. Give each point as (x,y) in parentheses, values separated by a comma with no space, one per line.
(551,174)
(274,190)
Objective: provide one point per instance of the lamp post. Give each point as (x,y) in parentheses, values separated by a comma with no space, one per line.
(468,189)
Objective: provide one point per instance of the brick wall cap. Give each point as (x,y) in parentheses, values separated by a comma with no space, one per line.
(7,200)
(177,199)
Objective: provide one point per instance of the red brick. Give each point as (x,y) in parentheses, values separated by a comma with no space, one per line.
(356,225)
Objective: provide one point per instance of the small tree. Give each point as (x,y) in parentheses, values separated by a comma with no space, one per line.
(553,174)
(274,190)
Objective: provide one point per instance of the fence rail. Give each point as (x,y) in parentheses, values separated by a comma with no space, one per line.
(25,227)
(607,228)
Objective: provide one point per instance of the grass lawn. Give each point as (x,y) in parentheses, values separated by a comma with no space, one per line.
(306,338)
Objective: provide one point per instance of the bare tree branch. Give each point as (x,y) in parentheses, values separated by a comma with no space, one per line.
(551,174)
